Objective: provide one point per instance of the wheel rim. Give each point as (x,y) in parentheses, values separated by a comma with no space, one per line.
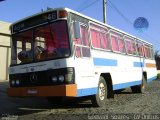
(101,91)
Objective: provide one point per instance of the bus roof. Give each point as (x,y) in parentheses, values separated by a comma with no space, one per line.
(82,15)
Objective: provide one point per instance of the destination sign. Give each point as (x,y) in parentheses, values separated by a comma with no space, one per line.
(33,21)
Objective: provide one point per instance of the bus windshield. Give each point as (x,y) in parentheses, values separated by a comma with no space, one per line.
(41,43)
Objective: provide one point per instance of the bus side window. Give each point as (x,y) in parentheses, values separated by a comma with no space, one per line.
(128,47)
(121,45)
(140,49)
(82,41)
(147,51)
(77,41)
(78,51)
(117,42)
(152,54)
(85,42)
(131,46)
(86,52)
(114,43)
(95,35)
(99,37)
(105,43)
(84,35)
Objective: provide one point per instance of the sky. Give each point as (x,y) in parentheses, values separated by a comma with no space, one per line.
(13,10)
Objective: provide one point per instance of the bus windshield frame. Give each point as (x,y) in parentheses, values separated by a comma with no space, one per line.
(42,43)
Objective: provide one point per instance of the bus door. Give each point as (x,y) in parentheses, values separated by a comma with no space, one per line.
(84,67)
(141,53)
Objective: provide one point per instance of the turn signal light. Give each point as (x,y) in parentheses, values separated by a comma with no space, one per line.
(62,14)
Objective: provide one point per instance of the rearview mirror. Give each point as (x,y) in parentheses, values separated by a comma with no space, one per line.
(76,29)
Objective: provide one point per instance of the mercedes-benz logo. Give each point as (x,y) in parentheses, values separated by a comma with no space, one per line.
(32,69)
(33,78)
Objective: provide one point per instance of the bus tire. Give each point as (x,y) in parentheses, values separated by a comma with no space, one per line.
(99,99)
(140,88)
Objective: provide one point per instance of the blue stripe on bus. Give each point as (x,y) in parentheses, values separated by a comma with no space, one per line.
(138,64)
(92,91)
(104,62)
(151,79)
(125,85)
(87,91)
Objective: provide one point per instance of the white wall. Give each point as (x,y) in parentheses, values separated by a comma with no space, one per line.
(5,51)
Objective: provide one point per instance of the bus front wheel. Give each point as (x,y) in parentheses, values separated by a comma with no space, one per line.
(99,99)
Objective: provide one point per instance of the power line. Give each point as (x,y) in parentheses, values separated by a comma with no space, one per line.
(127,20)
(87,6)
(120,13)
(82,4)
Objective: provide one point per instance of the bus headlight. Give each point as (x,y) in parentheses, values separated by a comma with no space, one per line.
(54,79)
(69,78)
(17,82)
(13,82)
(61,78)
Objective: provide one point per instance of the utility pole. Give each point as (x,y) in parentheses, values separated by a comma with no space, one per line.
(104,11)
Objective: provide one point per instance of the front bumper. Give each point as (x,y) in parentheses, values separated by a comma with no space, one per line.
(44,91)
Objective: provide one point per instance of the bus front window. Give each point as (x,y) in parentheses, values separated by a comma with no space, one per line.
(21,48)
(51,41)
(41,43)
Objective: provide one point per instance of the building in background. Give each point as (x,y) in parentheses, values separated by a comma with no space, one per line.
(5,50)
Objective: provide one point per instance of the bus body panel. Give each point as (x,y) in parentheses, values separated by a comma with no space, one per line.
(44,91)
(151,70)
(42,66)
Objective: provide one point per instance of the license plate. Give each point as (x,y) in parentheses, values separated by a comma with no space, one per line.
(32,91)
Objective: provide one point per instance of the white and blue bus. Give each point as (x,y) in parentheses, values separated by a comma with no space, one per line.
(62,53)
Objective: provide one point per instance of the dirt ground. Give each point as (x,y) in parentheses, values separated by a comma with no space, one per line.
(125,105)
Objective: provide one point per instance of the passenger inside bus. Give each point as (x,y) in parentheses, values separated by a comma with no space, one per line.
(40,54)
(25,56)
